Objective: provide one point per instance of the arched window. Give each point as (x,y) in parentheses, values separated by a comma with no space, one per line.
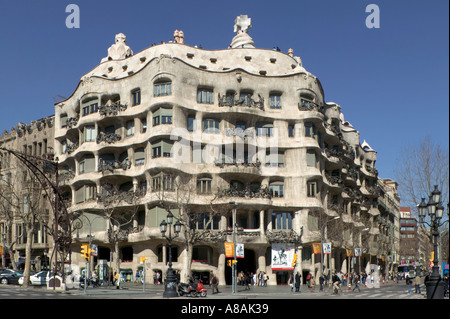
(163,87)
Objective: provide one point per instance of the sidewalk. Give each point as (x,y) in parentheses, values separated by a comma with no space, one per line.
(156,291)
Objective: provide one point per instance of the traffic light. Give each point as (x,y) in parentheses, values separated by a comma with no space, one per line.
(230,262)
(85,251)
(294,260)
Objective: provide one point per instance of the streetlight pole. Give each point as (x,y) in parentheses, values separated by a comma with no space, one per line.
(170,284)
(234,265)
(321,241)
(434,208)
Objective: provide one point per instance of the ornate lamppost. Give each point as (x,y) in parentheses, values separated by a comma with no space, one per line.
(170,284)
(434,208)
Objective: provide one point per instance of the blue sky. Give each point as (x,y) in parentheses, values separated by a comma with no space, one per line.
(392,82)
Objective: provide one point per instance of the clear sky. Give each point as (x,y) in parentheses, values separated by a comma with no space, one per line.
(391,82)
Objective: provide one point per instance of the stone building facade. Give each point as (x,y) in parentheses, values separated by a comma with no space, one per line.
(21,194)
(203,134)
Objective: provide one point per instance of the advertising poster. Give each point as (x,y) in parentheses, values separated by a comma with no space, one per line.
(229,250)
(316,248)
(282,256)
(239,250)
(326,248)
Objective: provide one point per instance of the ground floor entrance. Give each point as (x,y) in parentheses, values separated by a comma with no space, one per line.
(246,265)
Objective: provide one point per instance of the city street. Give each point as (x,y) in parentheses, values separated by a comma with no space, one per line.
(135,291)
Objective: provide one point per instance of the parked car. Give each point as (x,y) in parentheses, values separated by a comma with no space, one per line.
(9,276)
(39,279)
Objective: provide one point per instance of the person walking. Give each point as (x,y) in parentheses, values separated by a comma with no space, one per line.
(292,282)
(298,281)
(321,281)
(408,283)
(356,281)
(335,280)
(215,284)
(265,279)
(417,285)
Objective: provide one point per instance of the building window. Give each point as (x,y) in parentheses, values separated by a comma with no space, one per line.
(306,102)
(190,123)
(87,164)
(275,159)
(275,101)
(310,129)
(264,129)
(163,88)
(89,133)
(311,188)
(143,125)
(130,128)
(311,158)
(156,151)
(211,126)
(204,186)
(281,220)
(204,221)
(162,116)
(205,96)
(85,193)
(63,147)
(276,189)
(245,98)
(139,156)
(162,148)
(163,182)
(136,97)
(89,107)
(63,120)
(291,130)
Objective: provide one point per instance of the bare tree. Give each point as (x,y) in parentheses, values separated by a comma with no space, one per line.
(120,209)
(175,193)
(418,169)
(22,201)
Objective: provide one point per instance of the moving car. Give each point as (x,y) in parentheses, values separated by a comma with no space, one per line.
(9,276)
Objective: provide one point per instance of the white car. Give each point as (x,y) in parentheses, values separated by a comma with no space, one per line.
(38,279)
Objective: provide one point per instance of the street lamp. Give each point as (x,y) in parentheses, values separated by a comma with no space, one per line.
(434,208)
(170,284)
(321,240)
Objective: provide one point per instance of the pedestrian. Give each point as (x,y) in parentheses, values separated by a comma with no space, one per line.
(417,285)
(408,283)
(298,281)
(292,282)
(117,280)
(260,279)
(308,280)
(335,280)
(321,281)
(265,279)
(215,284)
(312,283)
(356,281)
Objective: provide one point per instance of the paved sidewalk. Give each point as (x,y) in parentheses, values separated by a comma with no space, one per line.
(135,290)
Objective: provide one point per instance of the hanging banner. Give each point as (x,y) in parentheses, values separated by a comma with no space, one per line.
(282,256)
(358,252)
(229,250)
(239,250)
(316,248)
(326,248)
